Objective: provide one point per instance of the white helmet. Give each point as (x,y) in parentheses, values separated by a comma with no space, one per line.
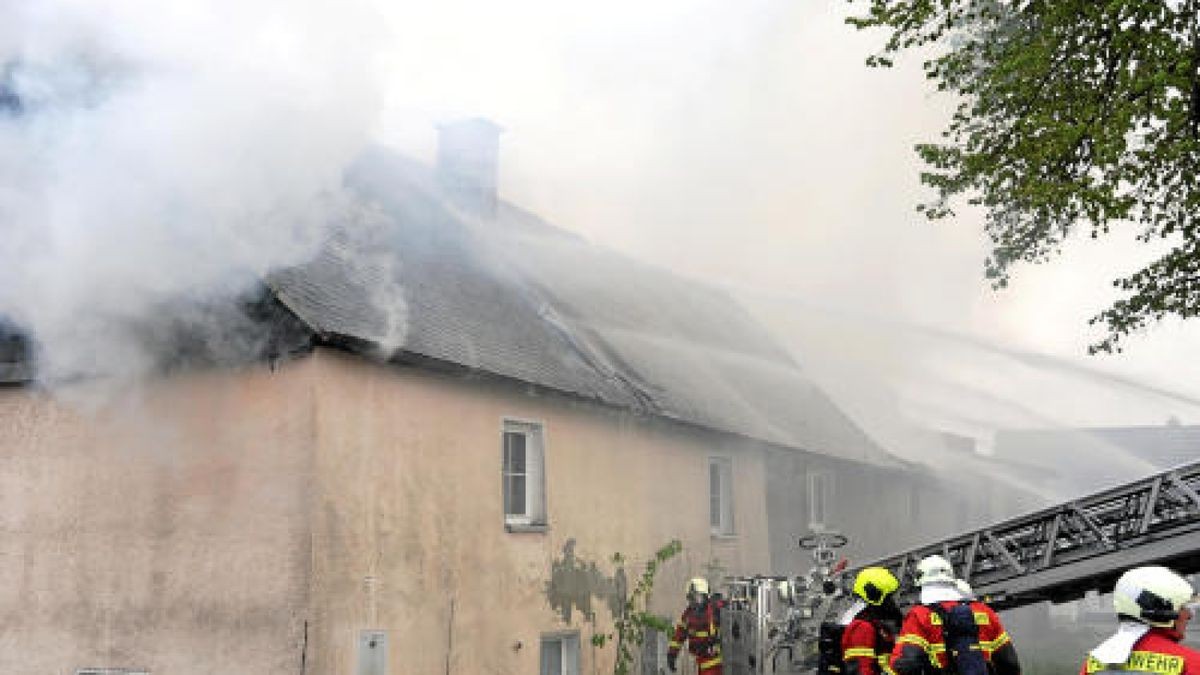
(698,585)
(1152,595)
(934,569)
(968,593)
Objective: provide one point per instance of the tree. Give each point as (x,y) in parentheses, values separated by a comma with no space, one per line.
(634,619)
(1072,114)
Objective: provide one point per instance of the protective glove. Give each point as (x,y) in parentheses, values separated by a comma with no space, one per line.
(671,661)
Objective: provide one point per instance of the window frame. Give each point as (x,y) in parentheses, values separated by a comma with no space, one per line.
(820,498)
(654,650)
(571,660)
(535,514)
(722,495)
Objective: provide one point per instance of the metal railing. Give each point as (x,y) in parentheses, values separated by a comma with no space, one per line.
(1060,553)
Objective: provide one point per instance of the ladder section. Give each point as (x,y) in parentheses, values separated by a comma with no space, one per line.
(1060,553)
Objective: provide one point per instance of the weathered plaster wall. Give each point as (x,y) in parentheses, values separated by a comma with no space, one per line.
(164,530)
(257,521)
(408,523)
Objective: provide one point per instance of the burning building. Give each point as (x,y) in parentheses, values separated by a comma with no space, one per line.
(421,455)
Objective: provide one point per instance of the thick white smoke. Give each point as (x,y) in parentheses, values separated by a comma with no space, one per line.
(154,154)
(747,144)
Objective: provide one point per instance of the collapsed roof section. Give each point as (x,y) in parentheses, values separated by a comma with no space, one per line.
(16,354)
(188,333)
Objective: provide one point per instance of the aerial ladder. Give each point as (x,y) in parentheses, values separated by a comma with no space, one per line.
(1056,554)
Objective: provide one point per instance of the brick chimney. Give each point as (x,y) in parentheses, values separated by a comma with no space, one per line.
(466,164)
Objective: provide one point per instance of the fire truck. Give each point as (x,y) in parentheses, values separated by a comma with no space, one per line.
(778,624)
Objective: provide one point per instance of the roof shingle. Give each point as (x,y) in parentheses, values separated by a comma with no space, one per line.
(519,298)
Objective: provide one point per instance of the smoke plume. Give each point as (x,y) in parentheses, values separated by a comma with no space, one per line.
(160,157)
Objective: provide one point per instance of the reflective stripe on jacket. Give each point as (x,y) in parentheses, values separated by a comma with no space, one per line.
(1158,651)
(866,648)
(921,643)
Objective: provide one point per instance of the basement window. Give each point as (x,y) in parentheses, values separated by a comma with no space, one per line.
(654,652)
(523,474)
(560,654)
(720,496)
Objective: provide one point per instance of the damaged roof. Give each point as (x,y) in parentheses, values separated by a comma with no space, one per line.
(15,354)
(415,278)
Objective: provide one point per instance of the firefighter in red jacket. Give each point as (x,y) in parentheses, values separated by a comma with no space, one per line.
(870,635)
(921,644)
(1153,607)
(698,626)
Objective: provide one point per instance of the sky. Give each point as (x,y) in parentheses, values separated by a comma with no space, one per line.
(743,144)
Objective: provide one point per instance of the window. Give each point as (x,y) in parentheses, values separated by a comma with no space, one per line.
(820,499)
(654,652)
(720,495)
(112,671)
(560,654)
(524,463)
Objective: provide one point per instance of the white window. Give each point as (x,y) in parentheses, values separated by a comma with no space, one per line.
(720,495)
(654,652)
(820,499)
(560,654)
(523,473)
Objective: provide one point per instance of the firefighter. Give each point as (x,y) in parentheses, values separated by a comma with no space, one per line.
(868,639)
(922,642)
(1153,606)
(698,626)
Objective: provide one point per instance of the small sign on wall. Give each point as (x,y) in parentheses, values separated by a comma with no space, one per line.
(372,653)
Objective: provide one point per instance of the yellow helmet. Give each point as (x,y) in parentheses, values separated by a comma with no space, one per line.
(698,585)
(874,584)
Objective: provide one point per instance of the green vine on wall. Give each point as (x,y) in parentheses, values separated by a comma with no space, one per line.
(630,626)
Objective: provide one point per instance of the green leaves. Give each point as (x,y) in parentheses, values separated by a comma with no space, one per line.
(631,625)
(1071,113)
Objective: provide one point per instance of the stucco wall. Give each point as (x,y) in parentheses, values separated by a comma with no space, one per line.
(163,529)
(409,535)
(256,521)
